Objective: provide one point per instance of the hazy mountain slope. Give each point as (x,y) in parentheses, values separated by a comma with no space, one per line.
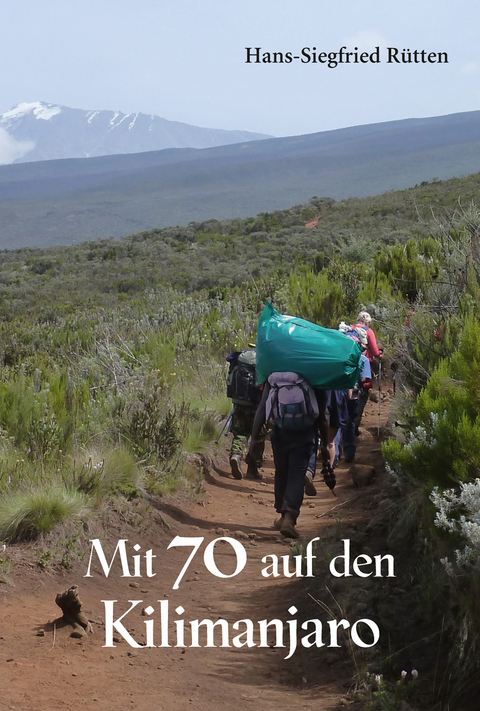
(53,132)
(60,202)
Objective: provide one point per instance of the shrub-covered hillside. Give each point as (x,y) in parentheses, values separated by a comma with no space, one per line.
(112,362)
(229,252)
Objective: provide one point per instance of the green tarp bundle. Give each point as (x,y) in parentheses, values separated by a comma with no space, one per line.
(327,359)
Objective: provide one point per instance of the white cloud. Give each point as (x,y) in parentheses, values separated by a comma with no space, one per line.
(470,68)
(366,39)
(11,149)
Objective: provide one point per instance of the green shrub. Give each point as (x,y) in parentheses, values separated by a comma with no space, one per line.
(315,298)
(443,446)
(153,427)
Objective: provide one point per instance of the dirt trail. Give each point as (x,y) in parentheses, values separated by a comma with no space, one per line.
(55,671)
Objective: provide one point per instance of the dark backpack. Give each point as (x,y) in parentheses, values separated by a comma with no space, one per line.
(242,386)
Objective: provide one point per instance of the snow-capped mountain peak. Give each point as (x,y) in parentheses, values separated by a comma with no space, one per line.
(39,109)
(75,133)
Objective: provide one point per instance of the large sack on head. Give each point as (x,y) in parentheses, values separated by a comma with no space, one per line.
(327,359)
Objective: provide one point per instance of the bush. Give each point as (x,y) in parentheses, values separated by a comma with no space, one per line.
(153,428)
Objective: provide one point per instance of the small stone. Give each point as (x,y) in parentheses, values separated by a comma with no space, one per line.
(76,634)
(134,585)
(311,506)
(41,633)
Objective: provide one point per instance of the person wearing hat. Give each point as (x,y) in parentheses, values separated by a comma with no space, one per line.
(363,321)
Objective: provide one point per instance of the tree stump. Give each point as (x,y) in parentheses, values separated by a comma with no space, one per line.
(71,606)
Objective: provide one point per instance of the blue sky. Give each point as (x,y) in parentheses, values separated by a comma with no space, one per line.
(185,61)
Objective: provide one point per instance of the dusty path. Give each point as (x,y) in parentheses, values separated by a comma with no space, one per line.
(55,671)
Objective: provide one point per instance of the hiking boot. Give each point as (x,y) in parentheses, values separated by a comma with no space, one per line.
(253,472)
(287,527)
(310,489)
(277,524)
(236,466)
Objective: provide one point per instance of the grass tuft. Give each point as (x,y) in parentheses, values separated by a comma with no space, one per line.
(24,515)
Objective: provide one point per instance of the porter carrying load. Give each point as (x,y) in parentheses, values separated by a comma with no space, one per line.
(327,359)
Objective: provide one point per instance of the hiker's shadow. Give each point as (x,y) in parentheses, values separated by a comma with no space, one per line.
(231,483)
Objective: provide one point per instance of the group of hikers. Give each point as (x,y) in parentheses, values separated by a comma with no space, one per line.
(304,423)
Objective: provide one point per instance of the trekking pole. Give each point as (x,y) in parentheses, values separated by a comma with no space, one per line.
(379,393)
(226,427)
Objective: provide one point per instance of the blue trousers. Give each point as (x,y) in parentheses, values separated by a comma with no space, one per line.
(349,441)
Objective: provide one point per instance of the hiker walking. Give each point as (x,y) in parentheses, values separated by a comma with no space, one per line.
(347,432)
(245,395)
(363,321)
(372,352)
(290,403)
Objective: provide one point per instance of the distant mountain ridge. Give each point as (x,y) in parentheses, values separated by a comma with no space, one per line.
(67,201)
(50,131)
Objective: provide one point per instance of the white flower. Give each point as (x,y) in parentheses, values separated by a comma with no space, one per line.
(414,673)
